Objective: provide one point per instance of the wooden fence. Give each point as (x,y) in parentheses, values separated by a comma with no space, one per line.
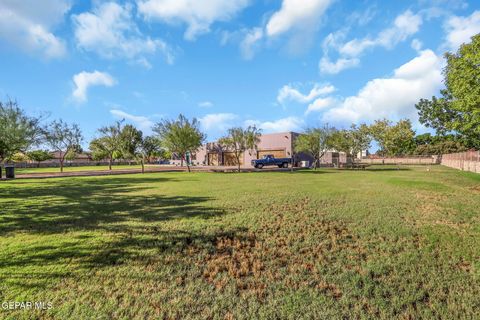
(466,161)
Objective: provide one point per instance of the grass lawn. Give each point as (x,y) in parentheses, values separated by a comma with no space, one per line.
(74,169)
(331,244)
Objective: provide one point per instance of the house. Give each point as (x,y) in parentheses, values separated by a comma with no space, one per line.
(278,144)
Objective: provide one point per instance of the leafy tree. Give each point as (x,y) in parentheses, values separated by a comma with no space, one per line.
(458,108)
(180,136)
(437,113)
(315,142)
(109,144)
(64,139)
(393,139)
(151,149)
(351,141)
(39,156)
(426,144)
(424,139)
(361,139)
(240,140)
(18,131)
(148,148)
(341,141)
(130,142)
(19,157)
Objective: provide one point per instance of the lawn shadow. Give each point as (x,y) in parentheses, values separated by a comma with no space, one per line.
(105,222)
(93,204)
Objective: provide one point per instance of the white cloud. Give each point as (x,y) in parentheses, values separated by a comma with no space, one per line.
(143,123)
(416,45)
(299,19)
(109,30)
(329,67)
(404,26)
(461,29)
(280,125)
(217,121)
(320,104)
(296,14)
(28,25)
(291,93)
(250,42)
(205,104)
(198,15)
(84,80)
(393,97)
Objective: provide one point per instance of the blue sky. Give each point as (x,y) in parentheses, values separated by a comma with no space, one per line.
(282,65)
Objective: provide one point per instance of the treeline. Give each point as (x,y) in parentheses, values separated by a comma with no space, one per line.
(393,140)
(20,133)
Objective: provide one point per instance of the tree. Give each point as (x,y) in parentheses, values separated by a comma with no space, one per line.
(130,142)
(426,144)
(19,157)
(342,141)
(64,139)
(180,136)
(361,139)
(240,140)
(315,142)
(109,144)
(393,139)
(147,148)
(458,108)
(39,156)
(18,131)
(151,148)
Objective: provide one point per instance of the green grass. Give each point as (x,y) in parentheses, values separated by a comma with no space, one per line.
(331,244)
(74,169)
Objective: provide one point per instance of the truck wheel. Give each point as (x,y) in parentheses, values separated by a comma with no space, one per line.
(285,165)
(259,166)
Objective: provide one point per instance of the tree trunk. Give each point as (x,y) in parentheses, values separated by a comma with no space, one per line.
(61,161)
(38,164)
(238,163)
(143,166)
(110,164)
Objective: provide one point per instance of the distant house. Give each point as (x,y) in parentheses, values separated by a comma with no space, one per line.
(281,145)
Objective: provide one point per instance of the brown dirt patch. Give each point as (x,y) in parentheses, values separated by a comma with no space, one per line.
(290,249)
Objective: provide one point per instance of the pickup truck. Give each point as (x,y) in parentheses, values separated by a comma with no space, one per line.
(270,160)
